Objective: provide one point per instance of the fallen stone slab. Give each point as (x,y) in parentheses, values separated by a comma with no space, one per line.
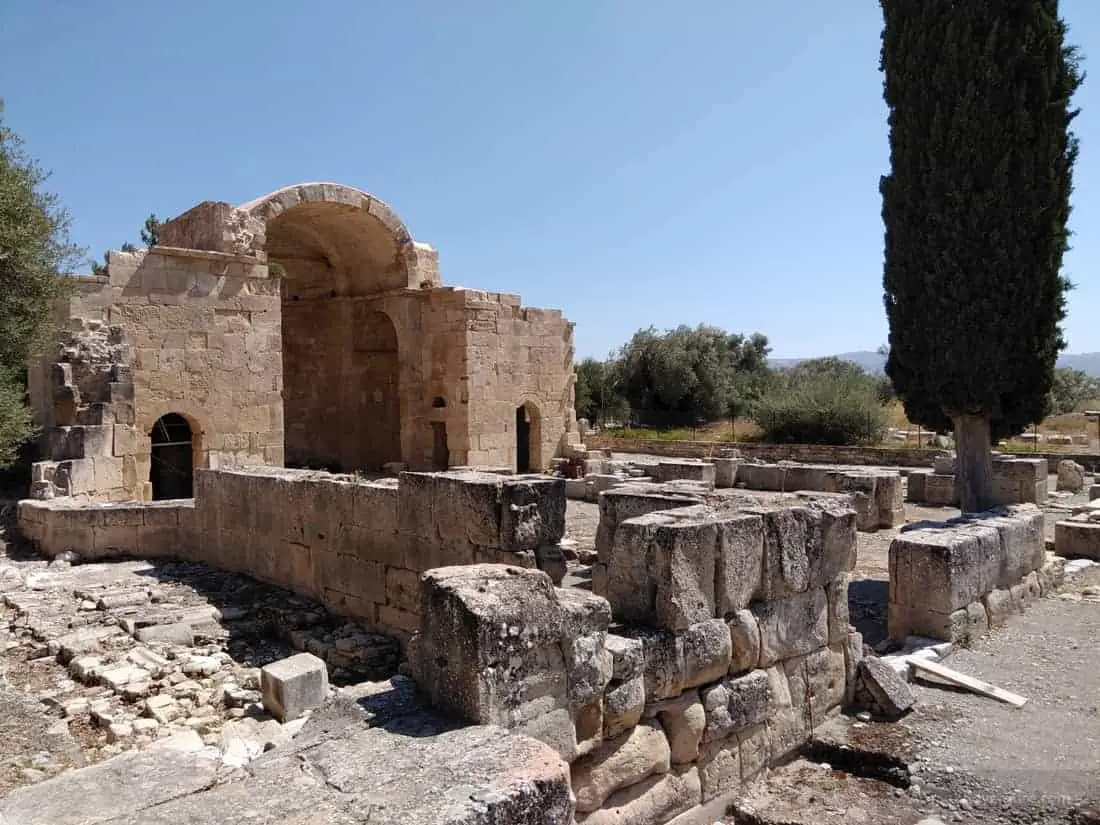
(112,791)
(882,690)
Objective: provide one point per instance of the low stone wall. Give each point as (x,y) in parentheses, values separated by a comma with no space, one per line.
(955,579)
(1078,537)
(1015,481)
(808,453)
(656,721)
(357,546)
(715,640)
(877,494)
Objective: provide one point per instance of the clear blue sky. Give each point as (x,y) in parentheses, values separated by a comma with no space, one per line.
(633,162)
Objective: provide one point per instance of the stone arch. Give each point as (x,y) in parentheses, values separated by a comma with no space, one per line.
(528,433)
(366,246)
(175,449)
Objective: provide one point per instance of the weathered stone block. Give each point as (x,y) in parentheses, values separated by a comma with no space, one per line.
(294,685)
(888,693)
(720,768)
(725,472)
(737,703)
(817,682)
(663,658)
(661,798)
(631,501)
(745,642)
(836,592)
(683,720)
(707,652)
(623,705)
(661,571)
(532,512)
(740,562)
(619,763)
(942,569)
(1077,539)
(792,626)
(490,644)
(627,657)
(686,470)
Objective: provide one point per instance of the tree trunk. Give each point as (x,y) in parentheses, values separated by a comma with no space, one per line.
(973,463)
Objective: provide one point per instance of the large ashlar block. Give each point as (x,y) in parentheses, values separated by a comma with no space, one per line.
(684,470)
(660,572)
(293,686)
(532,512)
(633,500)
(725,471)
(756,476)
(499,645)
(792,626)
(1077,539)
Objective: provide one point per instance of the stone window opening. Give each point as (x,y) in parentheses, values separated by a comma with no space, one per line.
(172,458)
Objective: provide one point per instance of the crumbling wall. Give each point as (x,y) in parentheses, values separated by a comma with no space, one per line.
(658,719)
(167,331)
(953,580)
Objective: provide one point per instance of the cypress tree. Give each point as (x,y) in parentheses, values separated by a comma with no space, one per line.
(975,210)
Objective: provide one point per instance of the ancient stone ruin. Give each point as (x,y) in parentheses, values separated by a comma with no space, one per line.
(305,326)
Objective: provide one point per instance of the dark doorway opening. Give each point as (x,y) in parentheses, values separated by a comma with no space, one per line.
(523,440)
(171,468)
(441,455)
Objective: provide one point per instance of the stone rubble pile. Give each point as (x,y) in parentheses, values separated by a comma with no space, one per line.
(134,652)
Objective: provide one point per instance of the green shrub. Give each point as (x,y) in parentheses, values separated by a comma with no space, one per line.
(822,402)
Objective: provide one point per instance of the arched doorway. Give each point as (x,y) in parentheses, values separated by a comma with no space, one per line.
(171,466)
(528,452)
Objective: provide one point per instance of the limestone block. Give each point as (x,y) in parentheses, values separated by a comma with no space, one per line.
(663,658)
(806,477)
(795,557)
(707,651)
(683,720)
(754,750)
(532,512)
(740,562)
(889,500)
(745,642)
(1077,539)
(792,626)
(1052,575)
(623,705)
(627,657)
(836,592)
(1023,547)
(684,470)
(853,655)
(737,703)
(915,486)
(757,476)
(661,570)
(888,693)
(817,680)
(619,763)
(588,726)
(999,606)
(589,664)
(720,768)
(294,685)
(631,501)
(1071,476)
(490,644)
(942,569)
(658,799)
(1094,492)
(837,551)
(787,728)
(725,472)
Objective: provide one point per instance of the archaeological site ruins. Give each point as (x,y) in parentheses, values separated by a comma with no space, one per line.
(305,544)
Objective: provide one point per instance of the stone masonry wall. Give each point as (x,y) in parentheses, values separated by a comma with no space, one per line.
(1015,481)
(193,333)
(356,546)
(723,641)
(955,579)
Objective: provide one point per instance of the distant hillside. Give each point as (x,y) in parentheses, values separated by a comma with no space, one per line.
(1087,362)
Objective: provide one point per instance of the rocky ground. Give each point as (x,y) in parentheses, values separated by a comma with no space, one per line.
(96,659)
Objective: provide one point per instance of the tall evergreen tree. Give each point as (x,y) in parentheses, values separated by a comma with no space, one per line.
(34,252)
(975,209)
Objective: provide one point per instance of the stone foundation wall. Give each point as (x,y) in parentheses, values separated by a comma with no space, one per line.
(955,579)
(719,643)
(1015,481)
(809,453)
(357,546)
